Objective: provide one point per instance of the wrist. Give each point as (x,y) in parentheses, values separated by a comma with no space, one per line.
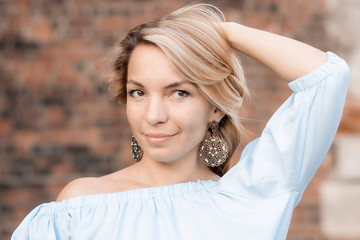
(227,27)
(232,32)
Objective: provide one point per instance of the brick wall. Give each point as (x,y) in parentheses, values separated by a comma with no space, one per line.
(57,121)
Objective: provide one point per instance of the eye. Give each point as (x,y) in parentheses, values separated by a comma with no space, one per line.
(180,94)
(136,93)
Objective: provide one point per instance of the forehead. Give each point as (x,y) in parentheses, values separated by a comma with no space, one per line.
(149,62)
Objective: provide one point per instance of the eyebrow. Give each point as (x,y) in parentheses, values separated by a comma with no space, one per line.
(172,85)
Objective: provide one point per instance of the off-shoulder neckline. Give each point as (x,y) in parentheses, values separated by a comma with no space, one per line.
(139,193)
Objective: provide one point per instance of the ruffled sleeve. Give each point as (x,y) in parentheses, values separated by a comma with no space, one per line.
(297,137)
(44,223)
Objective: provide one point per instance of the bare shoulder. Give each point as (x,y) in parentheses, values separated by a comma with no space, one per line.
(79,187)
(121,180)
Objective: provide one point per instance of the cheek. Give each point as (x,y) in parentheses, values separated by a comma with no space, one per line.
(132,115)
(195,118)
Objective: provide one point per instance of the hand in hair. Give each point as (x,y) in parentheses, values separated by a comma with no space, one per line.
(289,58)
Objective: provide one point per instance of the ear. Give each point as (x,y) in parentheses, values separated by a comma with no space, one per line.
(217,115)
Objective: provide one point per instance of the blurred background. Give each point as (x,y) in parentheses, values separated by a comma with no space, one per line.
(58,122)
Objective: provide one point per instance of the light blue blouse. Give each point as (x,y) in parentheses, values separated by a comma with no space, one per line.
(254,200)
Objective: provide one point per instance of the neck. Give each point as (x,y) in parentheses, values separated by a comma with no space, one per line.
(155,173)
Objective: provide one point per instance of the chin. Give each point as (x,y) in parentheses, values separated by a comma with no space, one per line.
(170,154)
(163,156)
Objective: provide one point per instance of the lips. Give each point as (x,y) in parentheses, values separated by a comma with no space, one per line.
(156,138)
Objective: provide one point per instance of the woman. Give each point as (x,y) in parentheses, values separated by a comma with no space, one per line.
(183,85)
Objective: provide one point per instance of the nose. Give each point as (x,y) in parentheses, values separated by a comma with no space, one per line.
(156,111)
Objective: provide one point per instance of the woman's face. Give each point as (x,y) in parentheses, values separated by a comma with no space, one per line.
(167,114)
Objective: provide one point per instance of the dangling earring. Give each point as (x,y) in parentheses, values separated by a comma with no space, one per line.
(136,149)
(213,149)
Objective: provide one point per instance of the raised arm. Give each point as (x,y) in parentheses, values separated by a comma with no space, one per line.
(289,58)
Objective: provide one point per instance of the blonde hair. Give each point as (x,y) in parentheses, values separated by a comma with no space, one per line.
(194,41)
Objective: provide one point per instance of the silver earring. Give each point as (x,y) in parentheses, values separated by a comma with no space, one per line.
(213,149)
(136,149)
